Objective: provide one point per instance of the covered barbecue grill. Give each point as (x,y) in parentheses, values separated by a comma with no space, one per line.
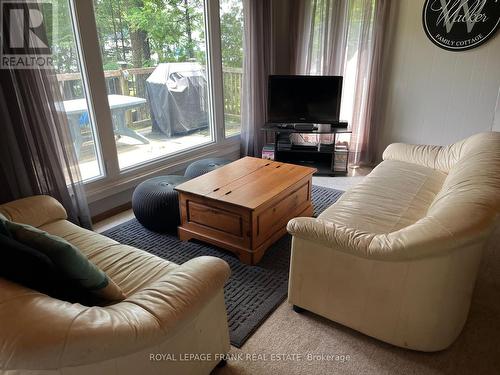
(178,98)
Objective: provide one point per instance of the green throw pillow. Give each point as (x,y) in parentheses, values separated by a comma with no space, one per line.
(34,269)
(3,226)
(68,259)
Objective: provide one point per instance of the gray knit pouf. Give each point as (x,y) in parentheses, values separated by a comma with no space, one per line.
(203,166)
(156,204)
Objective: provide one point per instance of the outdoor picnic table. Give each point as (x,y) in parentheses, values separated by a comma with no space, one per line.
(119,105)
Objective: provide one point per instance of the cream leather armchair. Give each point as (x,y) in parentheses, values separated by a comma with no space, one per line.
(171,311)
(396,257)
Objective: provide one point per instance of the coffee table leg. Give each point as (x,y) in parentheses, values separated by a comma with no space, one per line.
(246,257)
(243,256)
(183,235)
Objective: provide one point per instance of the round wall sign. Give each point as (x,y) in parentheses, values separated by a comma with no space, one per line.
(457,25)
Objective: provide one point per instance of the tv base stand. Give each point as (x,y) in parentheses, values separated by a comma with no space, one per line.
(328,159)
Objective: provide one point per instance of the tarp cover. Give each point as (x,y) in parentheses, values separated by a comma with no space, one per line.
(178,98)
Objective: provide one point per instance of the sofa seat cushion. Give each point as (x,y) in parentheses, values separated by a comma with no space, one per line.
(130,268)
(393,196)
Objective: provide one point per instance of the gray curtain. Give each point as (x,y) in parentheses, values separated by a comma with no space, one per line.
(257,65)
(346,37)
(321,36)
(36,153)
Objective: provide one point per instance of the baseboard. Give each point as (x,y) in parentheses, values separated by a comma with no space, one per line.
(114,211)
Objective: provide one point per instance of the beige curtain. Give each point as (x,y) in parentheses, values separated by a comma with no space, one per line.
(345,37)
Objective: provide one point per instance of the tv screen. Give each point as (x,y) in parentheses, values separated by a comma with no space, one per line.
(304,99)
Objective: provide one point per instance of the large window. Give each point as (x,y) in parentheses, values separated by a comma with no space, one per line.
(231,25)
(152,95)
(155,65)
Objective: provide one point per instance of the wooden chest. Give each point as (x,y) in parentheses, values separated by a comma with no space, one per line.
(244,206)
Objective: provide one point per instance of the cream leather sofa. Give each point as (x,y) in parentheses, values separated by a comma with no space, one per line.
(397,256)
(171,311)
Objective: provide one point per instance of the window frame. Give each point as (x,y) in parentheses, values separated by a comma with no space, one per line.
(113,179)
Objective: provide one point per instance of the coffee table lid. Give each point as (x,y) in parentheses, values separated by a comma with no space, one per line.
(247,182)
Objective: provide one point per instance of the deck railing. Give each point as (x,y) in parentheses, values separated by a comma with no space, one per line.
(132,82)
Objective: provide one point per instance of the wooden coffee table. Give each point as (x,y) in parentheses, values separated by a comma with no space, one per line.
(244,206)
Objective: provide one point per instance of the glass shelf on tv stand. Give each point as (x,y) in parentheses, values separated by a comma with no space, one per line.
(322,160)
(276,128)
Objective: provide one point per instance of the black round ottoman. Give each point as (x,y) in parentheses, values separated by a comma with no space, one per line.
(203,166)
(155,203)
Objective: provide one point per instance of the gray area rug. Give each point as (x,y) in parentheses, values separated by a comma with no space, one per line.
(252,293)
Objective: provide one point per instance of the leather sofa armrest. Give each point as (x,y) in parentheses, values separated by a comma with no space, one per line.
(31,340)
(36,211)
(329,234)
(425,238)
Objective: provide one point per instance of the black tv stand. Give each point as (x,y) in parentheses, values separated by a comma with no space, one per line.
(306,125)
(321,157)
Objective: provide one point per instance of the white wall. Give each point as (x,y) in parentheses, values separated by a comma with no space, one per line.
(431,95)
(496,120)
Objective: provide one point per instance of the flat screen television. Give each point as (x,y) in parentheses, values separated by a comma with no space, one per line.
(304,99)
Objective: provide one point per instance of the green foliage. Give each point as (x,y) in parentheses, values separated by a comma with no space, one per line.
(167,28)
(231,26)
(144,33)
(174,29)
